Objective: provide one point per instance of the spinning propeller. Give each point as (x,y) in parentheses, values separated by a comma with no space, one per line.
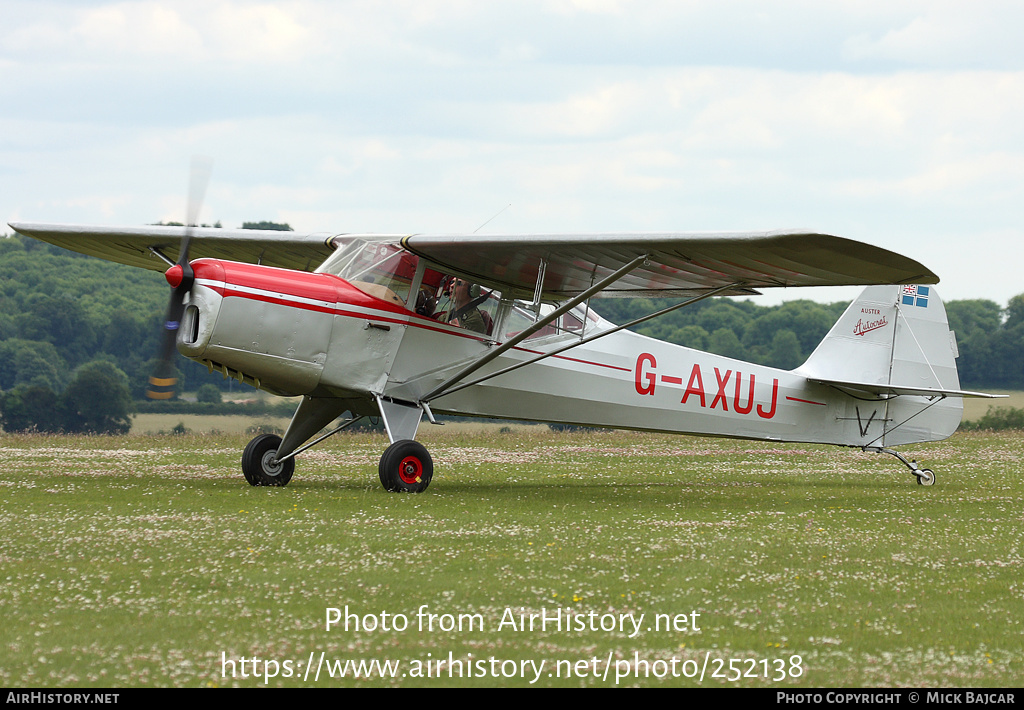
(180,277)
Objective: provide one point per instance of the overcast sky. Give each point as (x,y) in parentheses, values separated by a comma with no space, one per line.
(899,123)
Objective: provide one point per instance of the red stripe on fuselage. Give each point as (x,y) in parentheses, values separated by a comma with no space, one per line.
(288,282)
(805,401)
(574,359)
(326,288)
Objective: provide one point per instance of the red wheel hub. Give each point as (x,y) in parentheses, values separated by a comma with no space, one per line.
(410,470)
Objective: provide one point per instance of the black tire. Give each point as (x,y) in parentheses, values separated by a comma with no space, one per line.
(256,462)
(406,467)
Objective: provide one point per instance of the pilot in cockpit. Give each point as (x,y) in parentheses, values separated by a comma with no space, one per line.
(457,302)
(465,313)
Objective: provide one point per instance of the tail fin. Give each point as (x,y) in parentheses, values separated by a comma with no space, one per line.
(893,344)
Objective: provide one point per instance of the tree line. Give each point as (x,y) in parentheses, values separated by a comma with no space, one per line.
(79,338)
(990,338)
(76,331)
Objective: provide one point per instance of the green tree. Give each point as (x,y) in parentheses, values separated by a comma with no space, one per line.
(30,408)
(127,334)
(976,324)
(279,226)
(62,322)
(723,314)
(98,400)
(785,350)
(690,336)
(969,317)
(807,320)
(209,394)
(24,361)
(1007,345)
(1015,312)
(724,342)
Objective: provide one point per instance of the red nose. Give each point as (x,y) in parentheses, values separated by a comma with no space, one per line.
(174,275)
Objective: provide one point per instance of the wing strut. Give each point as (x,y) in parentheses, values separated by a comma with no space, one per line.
(594,337)
(511,343)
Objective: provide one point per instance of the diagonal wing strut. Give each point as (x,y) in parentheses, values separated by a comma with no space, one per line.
(511,343)
(594,337)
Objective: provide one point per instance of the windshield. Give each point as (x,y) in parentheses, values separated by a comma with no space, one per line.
(378,268)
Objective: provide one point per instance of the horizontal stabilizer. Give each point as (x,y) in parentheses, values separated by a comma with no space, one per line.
(894,390)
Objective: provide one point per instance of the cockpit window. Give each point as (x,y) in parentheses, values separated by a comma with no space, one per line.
(377,268)
(460,302)
(522,317)
(380,267)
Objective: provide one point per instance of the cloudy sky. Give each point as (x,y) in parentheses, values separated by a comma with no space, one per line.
(896,122)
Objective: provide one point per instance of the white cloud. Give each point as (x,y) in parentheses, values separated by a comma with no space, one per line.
(183,31)
(572,7)
(946,34)
(879,121)
(113,29)
(129,28)
(262,33)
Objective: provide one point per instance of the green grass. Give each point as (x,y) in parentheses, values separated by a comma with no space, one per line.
(139,561)
(974,409)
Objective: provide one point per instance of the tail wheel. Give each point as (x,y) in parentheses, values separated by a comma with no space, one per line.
(406,467)
(925,477)
(260,465)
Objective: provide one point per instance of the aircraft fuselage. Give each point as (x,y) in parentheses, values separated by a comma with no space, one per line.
(296,333)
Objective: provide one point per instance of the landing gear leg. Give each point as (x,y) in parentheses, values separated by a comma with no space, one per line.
(406,467)
(925,476)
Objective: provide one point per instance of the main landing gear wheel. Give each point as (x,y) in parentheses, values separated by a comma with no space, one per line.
(925,477)
(406,467)
(260,465)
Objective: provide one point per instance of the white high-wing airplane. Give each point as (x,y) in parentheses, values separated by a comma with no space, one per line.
(403,327)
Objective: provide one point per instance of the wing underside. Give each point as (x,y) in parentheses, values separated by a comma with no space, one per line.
(677,264)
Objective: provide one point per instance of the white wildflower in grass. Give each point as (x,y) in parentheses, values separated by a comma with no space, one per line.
(139,560)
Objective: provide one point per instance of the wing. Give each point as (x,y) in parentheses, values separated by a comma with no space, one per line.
(134,245)
(679,264)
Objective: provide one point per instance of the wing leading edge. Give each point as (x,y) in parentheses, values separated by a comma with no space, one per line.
(678,264)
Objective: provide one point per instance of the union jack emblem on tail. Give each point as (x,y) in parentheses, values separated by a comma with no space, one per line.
(915,296)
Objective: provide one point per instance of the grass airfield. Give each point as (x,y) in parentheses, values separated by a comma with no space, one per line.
(148,561)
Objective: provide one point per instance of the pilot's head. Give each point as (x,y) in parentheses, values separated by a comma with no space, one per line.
(464,290)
